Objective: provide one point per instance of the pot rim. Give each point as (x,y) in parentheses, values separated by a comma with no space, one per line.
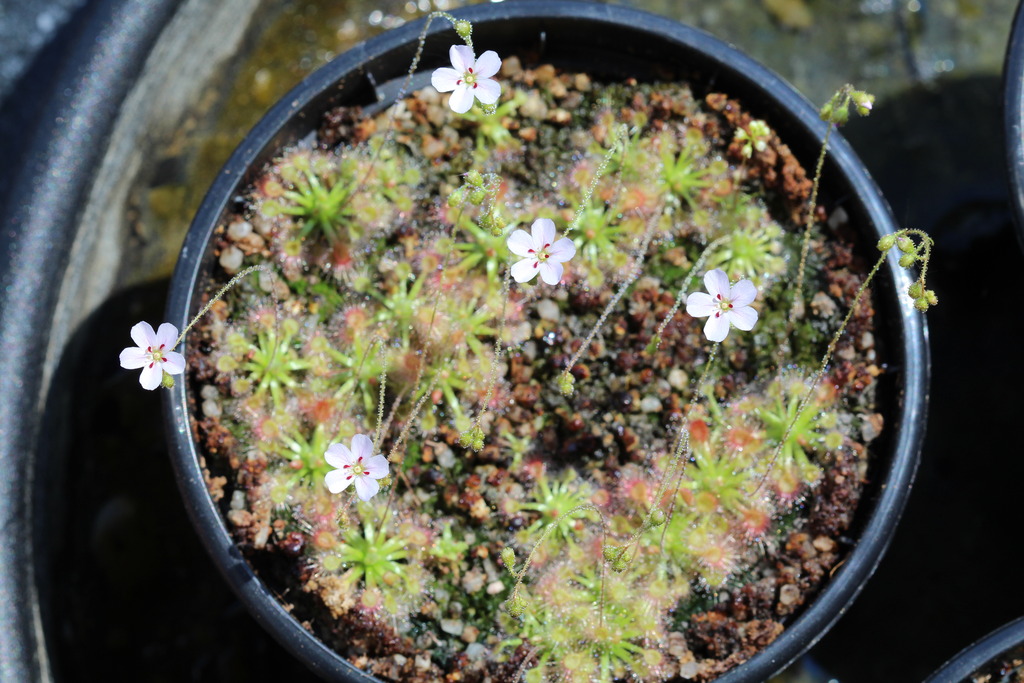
(980,653)
(1013,118)
(732,72)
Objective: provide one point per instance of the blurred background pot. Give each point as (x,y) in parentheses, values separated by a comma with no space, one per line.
(996,658)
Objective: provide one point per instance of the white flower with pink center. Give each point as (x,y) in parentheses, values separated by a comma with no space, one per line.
(357,466)
(153,354)
(468,78)
(724,306)
(540,252)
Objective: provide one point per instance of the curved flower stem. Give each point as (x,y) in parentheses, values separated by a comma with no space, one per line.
(616,145)
(499,348)
(217,297)
(585,507)
(626,284)
(680,451)
(820,372)
(681,295)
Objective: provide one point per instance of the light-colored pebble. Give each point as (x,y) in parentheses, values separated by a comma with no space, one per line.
(650,404)
(495,587)
(678,379)
(231,260)
(452,626)
(238,500)
(548,310)
(789,594)
(476,651)
(211,408)
(239,230)
(209,391)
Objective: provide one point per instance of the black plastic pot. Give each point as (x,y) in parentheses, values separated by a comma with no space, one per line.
(1013,118)
(985,652)
(614,43)
(55,136)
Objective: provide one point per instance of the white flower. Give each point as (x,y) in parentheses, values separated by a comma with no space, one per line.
(542,253)
(153,354)
(469,78)
(358,465)
(724,304)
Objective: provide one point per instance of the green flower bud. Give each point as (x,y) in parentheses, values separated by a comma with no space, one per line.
(167,381)
(921,304)
(565,383)
(653,346)
(515,605)
(916,290)
(657,517)
(464,29)
(905,244)
(477,196)
(907,260)
(826,112)
(475,178)
(930,297)
(620,565)
(863,101)
(508,558)
(610,552)
(456,197)
(886,243)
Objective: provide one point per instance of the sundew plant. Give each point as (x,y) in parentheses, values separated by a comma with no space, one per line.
(534,377)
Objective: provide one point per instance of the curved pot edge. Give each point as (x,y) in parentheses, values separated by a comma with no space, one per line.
(979,653)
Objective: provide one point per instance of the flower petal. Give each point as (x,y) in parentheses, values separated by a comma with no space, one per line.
(362,447)
(151,376)
(338,455)
(562,250)
(337,480)
(543,230)
(376,467)
(166,335)
(445,79)
(716,328)
(462,57)
(174,363)
(525,270)
(742,318)
(488,64)
(143,335)
(520,243)
(487,90)
(134,358)
(551,272)
(700,305)
(366,488)
(461,100)
(717,282)
(743,293)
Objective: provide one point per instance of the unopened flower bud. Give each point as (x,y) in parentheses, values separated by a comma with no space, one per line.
(167,381)
(610,552)
(905,244)
(456,197)
(477,196)
(464,29)
(565,383)
(907,260)
(515,605)
(475,178)
(863,101)
(886,243)
(916,290)
(921,304)
(620,565)
(657,517)
(508,558)
(930,297)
